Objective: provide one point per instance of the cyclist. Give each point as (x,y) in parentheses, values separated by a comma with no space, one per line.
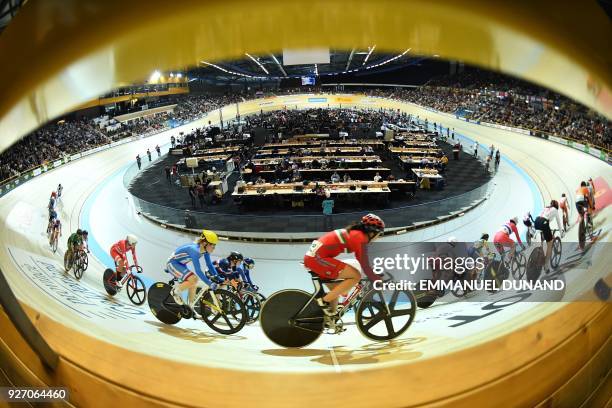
(56,231)
(502,240)
(59,190)
(191,254)
(583,201)
(528,222)
(52,217)
(542,223)
(563,207)
(118,252)
(247,266)
(75,242)
(321,257)
(591,187)
(52,201)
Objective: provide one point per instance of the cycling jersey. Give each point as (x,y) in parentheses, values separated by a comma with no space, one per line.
(190,254)
(509,228)
(320,257)
(57,224)
(244,274)
(549,213)
(119,252)
(582,194)
(563,203)
(74,240)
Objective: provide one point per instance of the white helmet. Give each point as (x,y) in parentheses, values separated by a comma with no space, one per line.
(452,240)
(515,219)
(131,239)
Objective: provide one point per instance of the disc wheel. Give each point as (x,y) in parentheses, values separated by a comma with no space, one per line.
(581,234)
(253,306)
(425,299)
(232,316)
(379,319)
(535,264)
(67,262)
(280,321)
(84,259)
(162,305)
(110,282)
(136,290)
(54,245)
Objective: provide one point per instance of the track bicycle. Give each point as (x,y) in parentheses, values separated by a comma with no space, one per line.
(293,318)
(78,261)
(54,239)
(134,286)
(221,310)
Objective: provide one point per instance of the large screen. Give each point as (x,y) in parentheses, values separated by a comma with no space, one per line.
(308,80)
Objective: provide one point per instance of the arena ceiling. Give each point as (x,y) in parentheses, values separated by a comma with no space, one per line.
(271,66)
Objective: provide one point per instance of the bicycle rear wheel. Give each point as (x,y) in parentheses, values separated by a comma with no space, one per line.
(109,279)
(280,321)
(379,319)
(232,317)
(535,264)
(67,262)
(162,305)
(136,290)
(518,266)
(581,234)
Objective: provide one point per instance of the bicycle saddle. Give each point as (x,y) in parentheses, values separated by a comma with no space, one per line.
(315,276)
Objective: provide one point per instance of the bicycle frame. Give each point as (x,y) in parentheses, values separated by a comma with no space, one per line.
(215,305)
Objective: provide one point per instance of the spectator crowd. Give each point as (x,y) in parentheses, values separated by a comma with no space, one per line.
(474,94)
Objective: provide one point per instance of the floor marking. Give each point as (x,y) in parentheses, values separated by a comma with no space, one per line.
(332,353)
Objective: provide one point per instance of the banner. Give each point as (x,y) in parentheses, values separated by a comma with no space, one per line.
(57,163)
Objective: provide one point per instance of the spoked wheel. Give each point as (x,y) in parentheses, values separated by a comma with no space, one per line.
(136,290)
(518,265)
(67,262)
(230,318)
(110,282)
(281,323)
(253,306)
(535,264)
(381,319)
(555,257)
(162,304)
(459,292)
(84,260)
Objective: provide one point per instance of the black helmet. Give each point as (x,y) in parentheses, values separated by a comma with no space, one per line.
(485,236)
(85,233)
(235,256)
(555,204)
(79,232)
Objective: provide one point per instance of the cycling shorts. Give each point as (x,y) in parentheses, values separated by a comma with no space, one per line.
(542,224)
(56,227)
(326,268)
(179,271)
(581,206)
(503,242)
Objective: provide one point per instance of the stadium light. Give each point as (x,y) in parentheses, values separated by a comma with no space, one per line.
(257,62)
(369,53)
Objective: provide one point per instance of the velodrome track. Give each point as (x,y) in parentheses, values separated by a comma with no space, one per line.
(532,172)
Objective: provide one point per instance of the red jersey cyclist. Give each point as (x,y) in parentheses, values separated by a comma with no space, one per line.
(321,257)
(502,240)
(119,252)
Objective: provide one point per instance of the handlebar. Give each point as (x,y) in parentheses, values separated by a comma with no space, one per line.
(138,268)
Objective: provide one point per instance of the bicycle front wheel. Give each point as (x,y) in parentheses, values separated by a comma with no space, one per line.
(379,319)
(232,315)
(282,322)
(555,257)
(253,306)
(136,290)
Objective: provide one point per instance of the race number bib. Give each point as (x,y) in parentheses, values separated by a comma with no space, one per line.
(314,247)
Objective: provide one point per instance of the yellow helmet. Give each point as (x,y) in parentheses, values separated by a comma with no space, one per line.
(209,237)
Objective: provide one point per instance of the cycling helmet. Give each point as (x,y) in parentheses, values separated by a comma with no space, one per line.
(235,256)
(373,223)
(452,240)
(249,262)
(514,219)
(555,204)
(484,236)
(53,194)
(224,264)
(583,184)
(209,237)
(85,233)
(79,232)
(131,239)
